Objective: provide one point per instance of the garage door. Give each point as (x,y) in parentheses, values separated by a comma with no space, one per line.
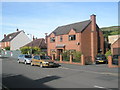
(116,51)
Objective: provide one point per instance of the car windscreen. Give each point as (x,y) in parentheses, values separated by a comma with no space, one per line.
(28,56)
(45,57)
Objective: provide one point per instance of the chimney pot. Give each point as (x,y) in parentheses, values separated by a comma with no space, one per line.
(33,38)
(4,35)
(17,29)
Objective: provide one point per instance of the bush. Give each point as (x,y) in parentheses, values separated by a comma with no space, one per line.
(77,56)
(66,55)
(7,48)
(30,50)
(108,53)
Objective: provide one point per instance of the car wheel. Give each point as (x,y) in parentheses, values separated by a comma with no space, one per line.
(25,62)
(32,64)
(18,61)
(41,65)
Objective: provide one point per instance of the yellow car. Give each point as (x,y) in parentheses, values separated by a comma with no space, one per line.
(42,61)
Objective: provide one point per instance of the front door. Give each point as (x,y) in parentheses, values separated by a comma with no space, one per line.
(59,51)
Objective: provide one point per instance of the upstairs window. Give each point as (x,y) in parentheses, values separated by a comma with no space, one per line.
(61,38)
(52,39)
(72,37)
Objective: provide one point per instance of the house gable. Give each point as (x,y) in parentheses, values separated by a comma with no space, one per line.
(72,31)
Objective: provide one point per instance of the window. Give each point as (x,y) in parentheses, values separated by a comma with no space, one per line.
(61,38)
(52,39)
(37,57)
(72,37)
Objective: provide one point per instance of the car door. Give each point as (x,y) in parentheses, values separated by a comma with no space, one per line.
(20,59)
(36,60)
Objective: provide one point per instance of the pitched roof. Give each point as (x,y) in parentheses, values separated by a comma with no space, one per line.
(118,40)
(37,43)
(10,36)
(78,27)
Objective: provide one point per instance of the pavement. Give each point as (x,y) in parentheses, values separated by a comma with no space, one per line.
(16,75)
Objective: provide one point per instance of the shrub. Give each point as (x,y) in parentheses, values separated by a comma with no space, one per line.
(77,56)
(66,55)
(108,53)
(7,48)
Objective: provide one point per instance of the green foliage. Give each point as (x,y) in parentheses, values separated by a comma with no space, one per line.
(77,56)
(7,48)
(30,50)
(114,30)
(35,50)
(66,55)
(25,50)
(108,53)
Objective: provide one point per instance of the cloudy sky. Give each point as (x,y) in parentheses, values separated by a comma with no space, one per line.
(37,18)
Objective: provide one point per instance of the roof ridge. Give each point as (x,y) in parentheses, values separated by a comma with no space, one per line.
(74,23)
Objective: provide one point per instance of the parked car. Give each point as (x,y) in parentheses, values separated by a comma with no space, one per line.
(26,59)
(101,59)
(43,61)
(115,59)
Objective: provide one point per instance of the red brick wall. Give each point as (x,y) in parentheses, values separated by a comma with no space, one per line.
(101,41)
(86,41)
(4,44)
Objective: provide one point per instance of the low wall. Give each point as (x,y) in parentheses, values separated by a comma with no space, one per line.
(70,61)
(110,65)
(13,54)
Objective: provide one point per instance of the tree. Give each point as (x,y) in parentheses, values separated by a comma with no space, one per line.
(30,50)
(25,50)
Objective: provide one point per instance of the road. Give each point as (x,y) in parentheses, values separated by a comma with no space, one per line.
(16,75)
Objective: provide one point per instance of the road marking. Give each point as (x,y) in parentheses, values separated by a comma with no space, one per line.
(98,86)
(105,73)
(48,75)
(101,87)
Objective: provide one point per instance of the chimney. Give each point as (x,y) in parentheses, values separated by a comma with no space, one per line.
(33,38)
(17,29)
(94,38)
(93,20)
(4,35)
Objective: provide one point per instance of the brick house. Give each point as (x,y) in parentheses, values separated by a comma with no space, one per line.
(38,43)
(83,36)
(115,47)
(14,40)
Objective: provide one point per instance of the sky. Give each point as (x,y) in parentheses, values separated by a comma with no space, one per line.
(38,18)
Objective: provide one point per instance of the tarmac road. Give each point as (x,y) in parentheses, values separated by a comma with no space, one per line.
(16,75)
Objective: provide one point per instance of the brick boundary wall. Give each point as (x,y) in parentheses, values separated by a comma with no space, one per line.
(110,65)
(70,61)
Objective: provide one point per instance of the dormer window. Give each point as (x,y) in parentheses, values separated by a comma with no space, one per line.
(52,39)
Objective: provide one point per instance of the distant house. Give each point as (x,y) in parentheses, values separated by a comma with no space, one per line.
(115,47)
(113,38)
(14,40)
(84,36)
(38,43)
